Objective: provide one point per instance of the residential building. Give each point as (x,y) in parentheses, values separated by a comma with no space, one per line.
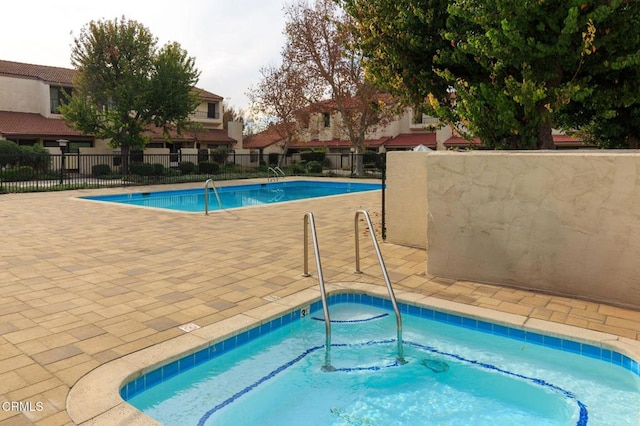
(407,131)
(30,96)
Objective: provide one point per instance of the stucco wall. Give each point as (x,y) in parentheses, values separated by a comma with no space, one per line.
(24,95)
(406,206)
(567,223)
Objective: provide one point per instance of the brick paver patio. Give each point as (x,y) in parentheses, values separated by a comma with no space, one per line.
(83,283)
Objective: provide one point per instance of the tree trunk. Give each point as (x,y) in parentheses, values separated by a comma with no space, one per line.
(545,137)
(359,162)
(634,142)
(124,152)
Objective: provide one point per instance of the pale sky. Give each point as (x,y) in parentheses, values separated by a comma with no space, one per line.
(230,40)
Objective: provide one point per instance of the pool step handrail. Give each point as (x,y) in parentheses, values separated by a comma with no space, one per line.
(385,274)
(309,222)
(209,183)
(277,173)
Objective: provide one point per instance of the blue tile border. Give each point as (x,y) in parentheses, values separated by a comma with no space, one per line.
(156,376)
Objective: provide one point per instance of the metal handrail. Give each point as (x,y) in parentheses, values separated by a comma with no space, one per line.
(310,222)
(392,296)
(206,195)
(277,173)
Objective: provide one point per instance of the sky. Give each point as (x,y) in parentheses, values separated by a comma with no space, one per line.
(230,40)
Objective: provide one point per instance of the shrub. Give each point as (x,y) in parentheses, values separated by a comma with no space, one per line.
(308,156)
(158,169)
(203,155)
(297,169)
(18,174)
(314,167)
(172,172)
(101,170)
(187,167)
(9,153)
(35,156)
(209,168)
(141,169)
(219,155)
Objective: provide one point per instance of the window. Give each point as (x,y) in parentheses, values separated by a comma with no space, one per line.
(59,96)
(326,117)
(212,110)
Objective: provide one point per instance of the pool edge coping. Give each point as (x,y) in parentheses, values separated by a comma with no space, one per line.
(95,398)
(219,184)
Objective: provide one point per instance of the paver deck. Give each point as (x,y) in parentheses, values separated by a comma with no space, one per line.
(84,283)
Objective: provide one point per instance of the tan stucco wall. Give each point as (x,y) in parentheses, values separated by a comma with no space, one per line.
(24,95)
(406,195)
(566,223)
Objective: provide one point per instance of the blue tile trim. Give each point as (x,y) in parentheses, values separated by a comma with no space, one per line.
(165,372)
(373,318)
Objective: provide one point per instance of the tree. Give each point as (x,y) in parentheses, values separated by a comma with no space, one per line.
(318,42)
(512,67)
(398,39)
(610,116)
(124,84)
(283,94)
(230,113)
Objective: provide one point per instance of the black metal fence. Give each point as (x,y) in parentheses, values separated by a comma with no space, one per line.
(54,172)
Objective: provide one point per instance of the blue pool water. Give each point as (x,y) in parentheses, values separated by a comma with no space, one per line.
(460,371)
(192,200)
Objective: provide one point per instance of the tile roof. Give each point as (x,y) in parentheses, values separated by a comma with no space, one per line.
(271,135)
(62,76)
(207,135)
(208,96)
(459,141)
(559,140)
(410,140)
(24,124)
(337,143)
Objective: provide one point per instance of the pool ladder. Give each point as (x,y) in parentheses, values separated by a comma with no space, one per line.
(277,173)
(309,221)
(209,183)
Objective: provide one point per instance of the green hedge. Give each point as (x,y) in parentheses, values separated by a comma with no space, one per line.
(21,173)
(101,170)
(314,167)
(208,167)
(141,169)
(308,156)
(187,167)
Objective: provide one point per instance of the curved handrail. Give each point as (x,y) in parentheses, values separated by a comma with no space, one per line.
(206,195)
(384,273)
(277,173)
(310,222)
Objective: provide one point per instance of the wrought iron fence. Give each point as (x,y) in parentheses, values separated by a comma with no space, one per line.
(53,172)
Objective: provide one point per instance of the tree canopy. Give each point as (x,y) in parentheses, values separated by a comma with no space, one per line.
(318,43)
(283,94)
(124,83)
(505,71)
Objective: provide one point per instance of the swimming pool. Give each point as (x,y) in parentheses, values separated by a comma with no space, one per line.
(192,200)
(460,371)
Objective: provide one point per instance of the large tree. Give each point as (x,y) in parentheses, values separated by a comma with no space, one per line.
(283,94)
(511,66)
(317,41)
(124,83)
(610,116)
